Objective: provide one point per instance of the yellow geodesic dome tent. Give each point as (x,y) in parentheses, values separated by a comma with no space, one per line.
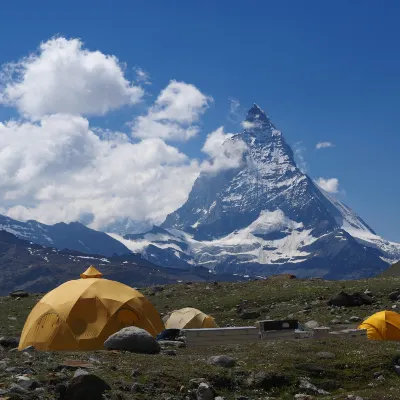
(81,314)
(189,318)
(384,325)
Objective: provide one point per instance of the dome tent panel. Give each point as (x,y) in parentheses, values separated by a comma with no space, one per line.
(85,312)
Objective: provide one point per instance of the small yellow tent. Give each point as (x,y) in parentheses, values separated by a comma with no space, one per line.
(189,318)
(81,314)
(384,325)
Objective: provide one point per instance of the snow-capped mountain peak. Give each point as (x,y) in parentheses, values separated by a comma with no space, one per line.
(267,216)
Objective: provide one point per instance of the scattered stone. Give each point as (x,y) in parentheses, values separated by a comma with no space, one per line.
(301,396)
(222,361)
(9,342)
(204,392)
(394,295)
(354,318)
(326,355)
(344,299)
(19,293)
(85,387)
(169,352)
(60,389)
(194,383)
(80,372)
(368,292)
(219,398)
(266,381)
(17,389)
(135,373)
(164,344)
(307,385)
(397,369)
(133,339)
(250,314)
(137,388)
(336,321)
(311,324)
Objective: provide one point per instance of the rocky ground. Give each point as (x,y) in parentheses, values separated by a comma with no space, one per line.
(286,369)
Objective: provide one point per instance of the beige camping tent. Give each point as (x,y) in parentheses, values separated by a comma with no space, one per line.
(189,318)
(81,314)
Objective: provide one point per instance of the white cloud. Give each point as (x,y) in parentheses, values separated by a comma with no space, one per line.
(224,149)
(330,185)
(64,77)
(174,113)
(58,168)
(324,145)
(61,170)
(248,124)
(142,76)
(234,106)
(299,150)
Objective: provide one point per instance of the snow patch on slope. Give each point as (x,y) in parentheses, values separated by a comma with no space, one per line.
(357,228)
(248,244)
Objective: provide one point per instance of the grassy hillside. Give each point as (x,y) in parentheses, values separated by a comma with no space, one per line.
(393,270)
(267,369)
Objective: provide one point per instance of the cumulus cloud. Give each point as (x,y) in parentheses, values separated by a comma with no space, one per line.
(224,150)
(330,185)
(67,172)
(324,145)
(174,113)
(64,77)
(55,166)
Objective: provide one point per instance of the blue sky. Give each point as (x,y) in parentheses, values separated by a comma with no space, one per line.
(324,71)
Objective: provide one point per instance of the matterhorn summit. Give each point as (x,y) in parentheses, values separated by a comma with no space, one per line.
(265,217)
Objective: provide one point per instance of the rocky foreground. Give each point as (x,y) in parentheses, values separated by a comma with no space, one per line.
(288,369)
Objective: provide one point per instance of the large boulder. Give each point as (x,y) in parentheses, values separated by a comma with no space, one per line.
(84,387)
(344,299)
(133,339)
